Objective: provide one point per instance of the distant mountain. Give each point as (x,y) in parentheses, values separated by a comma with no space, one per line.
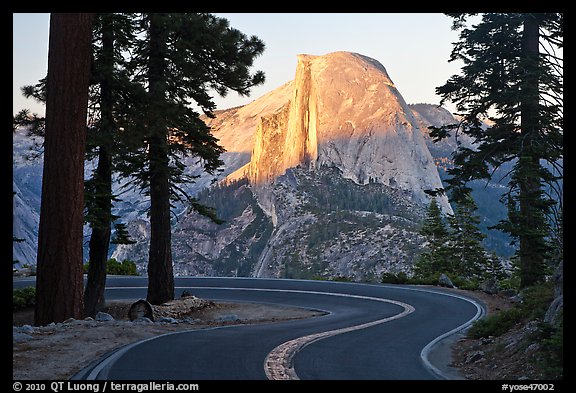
(324,176)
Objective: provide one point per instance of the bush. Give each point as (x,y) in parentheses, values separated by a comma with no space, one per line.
(535,302)
(23,298)
(463,283)
(497,324)
(124,268)
(391,278)
(551,361)
(427,280)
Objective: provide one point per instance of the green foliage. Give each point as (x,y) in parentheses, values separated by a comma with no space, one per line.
(551,359)
(437,256)
(535,302)
(121,235)
(124,268)
(391,278)
(463,283)
(515,80)
(497,324)
(23,298)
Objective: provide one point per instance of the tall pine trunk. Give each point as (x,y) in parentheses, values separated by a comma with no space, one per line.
(101,228)
(100,237)
(59,285)
(531,238)
(160,271)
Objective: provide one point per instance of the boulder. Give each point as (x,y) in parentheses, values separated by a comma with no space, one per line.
(141,309)
(104,317)
(167,320)
(490,286)
(186,293)
(18,337)
(445,281)
(557,304)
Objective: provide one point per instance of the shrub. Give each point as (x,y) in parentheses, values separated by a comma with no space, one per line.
(391,278)
(535,302)
(463,283)
(23,298)
(124,268)
(551,360)
(431,279)
(497,324)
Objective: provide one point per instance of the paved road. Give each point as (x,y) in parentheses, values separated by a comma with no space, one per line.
(381,332)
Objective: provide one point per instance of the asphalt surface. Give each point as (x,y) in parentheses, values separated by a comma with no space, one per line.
(375,332)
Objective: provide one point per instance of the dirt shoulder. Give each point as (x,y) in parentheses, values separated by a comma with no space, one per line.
(59,351)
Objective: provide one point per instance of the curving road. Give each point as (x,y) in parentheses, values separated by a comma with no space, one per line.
(371,332)
(377,332)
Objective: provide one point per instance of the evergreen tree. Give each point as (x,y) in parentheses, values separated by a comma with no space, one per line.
(179,58)
(507,79)
(113,36)
(110,93)
(59,264)
(437,257)
(468,257)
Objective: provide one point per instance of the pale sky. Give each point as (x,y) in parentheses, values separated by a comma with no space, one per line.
(413,47)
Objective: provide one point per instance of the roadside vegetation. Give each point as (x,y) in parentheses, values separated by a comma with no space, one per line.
(124,268)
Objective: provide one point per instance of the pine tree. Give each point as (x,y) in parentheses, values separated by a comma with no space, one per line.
(180,57)
(467,255)
(59,286)
(112,92)
(506,79)
(436,259)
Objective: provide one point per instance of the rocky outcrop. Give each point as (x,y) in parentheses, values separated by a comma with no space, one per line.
(557,305)
(345,112)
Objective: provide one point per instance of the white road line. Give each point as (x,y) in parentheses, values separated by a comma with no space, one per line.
(279,362)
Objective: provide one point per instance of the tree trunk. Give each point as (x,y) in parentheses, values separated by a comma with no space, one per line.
(101,229)
(100,237)
(59,264)
(160,271)
(531,238)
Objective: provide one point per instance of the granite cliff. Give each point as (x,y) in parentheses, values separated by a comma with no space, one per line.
(345,112)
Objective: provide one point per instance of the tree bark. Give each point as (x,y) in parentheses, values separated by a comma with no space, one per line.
(59,277)
(531,253)
(160,270)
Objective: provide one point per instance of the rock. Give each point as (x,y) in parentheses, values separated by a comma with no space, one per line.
(508,293)
(167,320)
(142,320)
(344,111)
(228,318)
(445,281)
(474,357)
(557,304)
(490,286)
(69,320)
(18,337)
(516,299)
(554,309)
(141,309)
(26,329)
(104,317)
(191,321)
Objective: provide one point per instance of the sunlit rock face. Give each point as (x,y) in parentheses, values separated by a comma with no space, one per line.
(344,111)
